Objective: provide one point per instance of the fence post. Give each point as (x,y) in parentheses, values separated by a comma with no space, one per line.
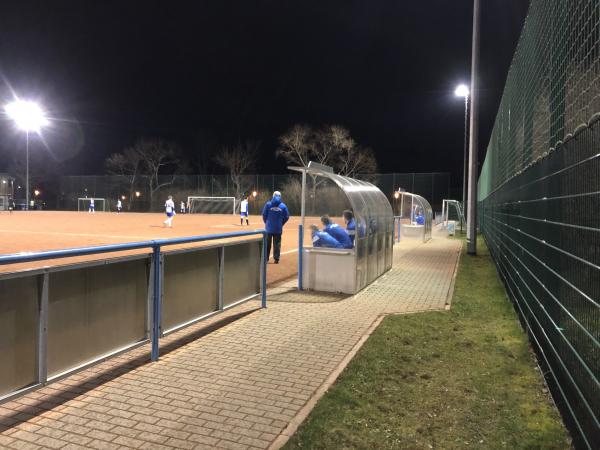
(264,272)
(156,291)
(300,252)
(42,350)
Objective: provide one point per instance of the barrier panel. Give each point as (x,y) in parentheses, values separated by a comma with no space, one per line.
(61,319)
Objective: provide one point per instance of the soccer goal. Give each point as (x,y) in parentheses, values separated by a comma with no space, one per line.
(83,204)
(211,205)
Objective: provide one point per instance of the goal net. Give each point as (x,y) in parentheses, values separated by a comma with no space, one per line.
(83,204)
(212,205)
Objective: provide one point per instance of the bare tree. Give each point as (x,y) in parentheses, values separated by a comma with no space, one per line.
(357,160)
(295,145)
(127,165)
(329,144)
(238,160)
(155,155)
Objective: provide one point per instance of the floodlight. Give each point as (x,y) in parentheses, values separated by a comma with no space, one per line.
(254,193)
(122,197)
(461,91)
(396,194)
(28,116)
(36,192)
(137,193)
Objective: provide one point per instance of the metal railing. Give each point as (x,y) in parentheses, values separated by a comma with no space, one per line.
(29,295)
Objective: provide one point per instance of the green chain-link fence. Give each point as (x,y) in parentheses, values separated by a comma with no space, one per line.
(321,198)
(539,194)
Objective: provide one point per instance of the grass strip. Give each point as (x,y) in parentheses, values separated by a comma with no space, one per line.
(455,379)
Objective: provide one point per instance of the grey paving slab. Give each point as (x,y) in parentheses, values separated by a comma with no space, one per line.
(238,380)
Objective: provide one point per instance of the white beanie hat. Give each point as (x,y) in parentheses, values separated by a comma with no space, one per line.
(276,193)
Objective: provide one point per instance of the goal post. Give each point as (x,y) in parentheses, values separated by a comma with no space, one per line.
(83,204)
(211,205)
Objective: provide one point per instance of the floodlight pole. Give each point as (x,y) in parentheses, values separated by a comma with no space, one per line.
(473,144)
(465,153)
(27,170)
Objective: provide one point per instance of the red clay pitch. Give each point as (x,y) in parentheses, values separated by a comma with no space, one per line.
(31,231)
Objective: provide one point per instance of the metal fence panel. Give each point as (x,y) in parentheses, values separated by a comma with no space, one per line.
(241,279)
(539,194)
(94,311)
(190,286)
(19,299)
(321,198)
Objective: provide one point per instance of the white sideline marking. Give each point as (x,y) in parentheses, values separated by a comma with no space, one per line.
(289,251)
(75,234)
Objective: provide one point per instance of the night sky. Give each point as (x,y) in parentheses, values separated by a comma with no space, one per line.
(209,73)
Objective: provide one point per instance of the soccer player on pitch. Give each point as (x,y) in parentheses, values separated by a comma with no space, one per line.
(169,211)
(119,206)
(244,211)
(92,209)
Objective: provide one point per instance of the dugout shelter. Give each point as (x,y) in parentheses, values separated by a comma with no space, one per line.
(414,216)
(348,270)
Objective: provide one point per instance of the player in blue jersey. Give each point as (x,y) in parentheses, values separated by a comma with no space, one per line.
(350,224)
(169,211)
(323,239)
(244,211)
(338,233)
(91,208)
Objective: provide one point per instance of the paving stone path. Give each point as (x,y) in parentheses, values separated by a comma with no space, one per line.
(236,381)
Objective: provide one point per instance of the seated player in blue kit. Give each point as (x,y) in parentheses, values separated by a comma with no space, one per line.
(350,224)
(337,232)
(323,239)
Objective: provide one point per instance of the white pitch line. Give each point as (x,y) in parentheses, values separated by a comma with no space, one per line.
(289,251)
(75,234)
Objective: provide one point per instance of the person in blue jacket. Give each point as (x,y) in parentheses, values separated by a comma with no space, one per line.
(323,239)
(337,232)
(350,224)
(275,215)
(420,219)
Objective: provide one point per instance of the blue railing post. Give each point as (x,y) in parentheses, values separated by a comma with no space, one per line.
(263,283)
(156,290)
(300,251)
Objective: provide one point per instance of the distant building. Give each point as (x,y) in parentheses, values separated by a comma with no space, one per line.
(7,190)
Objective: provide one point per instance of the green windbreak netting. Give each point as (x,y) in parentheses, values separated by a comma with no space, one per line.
(539,201)
(553,86)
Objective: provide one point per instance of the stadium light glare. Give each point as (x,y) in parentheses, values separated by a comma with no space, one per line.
(254,193)
(137,193)
(122,197)
(396,195)
(36,192)
(28,116)
(461,91)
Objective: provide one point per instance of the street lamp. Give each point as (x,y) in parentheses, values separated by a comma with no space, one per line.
(463,91)
(28,116)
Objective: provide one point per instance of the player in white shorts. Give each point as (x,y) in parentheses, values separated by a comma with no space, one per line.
(119,206)
(182,207)
(91,209)
(244,211)
(169,211)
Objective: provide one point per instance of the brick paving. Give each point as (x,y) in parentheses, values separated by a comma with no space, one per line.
(235,381)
